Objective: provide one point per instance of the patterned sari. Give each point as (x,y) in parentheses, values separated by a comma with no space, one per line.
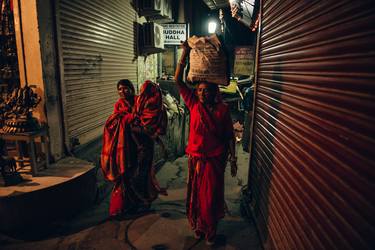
(126,160)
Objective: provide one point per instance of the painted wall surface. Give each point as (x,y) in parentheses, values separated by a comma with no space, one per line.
(147,66)
(168,66)
(34,23)
(30,29)
(19,41)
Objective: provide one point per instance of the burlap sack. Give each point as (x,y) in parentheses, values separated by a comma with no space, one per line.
(208,61)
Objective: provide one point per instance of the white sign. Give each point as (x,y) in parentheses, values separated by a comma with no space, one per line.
(174,33)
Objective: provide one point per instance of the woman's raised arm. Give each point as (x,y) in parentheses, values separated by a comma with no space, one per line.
(181,64)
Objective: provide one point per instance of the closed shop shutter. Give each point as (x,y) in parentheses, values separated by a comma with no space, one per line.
(97,48)
(312,167)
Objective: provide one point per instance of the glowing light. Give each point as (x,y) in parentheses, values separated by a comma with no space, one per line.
(212,27)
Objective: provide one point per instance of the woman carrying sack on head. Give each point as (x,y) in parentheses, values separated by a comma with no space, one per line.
(211,139)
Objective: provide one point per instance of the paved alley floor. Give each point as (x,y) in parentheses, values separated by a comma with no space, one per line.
(165,227)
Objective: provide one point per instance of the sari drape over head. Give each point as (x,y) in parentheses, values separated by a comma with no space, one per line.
(150,110)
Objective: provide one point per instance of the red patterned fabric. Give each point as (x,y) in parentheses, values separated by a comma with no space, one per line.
(116,153)
(149,108)
(116,139)
(126,160)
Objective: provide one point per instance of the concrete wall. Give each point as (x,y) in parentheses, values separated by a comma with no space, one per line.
(28,48)
(34,24)
(147,65)
(147,68)
(47,36)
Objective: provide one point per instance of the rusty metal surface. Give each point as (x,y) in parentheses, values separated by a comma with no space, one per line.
(97,49)
(312,163)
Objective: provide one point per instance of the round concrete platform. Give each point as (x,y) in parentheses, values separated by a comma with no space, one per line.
(60,191)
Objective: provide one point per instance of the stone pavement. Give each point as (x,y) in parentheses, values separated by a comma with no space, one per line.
(164,227)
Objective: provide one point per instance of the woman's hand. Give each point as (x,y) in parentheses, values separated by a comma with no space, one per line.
(182,63)
(185,52)
(185,46)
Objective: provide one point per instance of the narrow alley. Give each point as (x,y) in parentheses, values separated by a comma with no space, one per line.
(164,227)
(97,98)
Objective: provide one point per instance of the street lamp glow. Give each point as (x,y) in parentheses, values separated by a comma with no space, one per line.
(212,27)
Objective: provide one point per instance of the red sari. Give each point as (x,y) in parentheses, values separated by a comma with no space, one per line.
(149,108)
(126,160)
(209,136)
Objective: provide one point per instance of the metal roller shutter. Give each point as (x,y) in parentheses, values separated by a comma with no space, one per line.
(97,45)
(313,145)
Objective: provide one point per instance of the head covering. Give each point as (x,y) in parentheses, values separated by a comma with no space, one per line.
(149,108)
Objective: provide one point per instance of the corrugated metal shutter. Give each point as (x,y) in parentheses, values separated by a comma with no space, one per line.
(97,47)
(313,145)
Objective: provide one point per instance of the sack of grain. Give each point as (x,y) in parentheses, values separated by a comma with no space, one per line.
(208,61)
